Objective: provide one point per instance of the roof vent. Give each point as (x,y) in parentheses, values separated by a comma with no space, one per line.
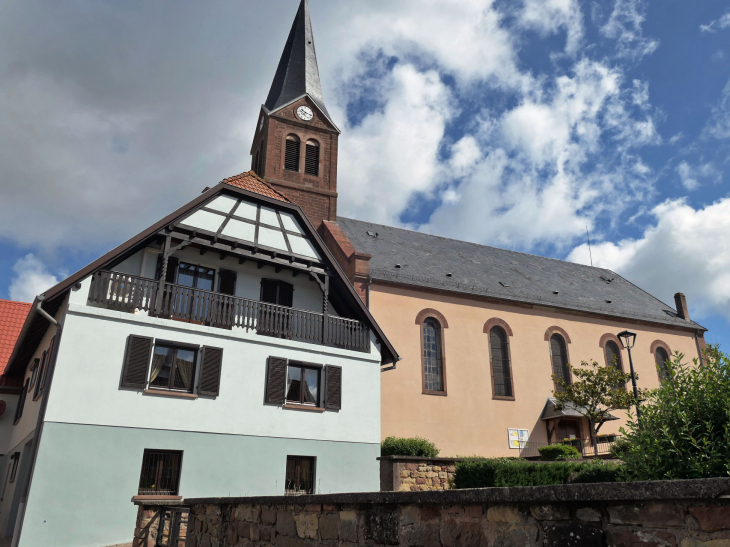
(503,284)
(607,279)
(398,266)
(449,275)
(608,301)
(556,292)
(373,234)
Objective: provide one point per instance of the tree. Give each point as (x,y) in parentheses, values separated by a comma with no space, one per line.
(595,392)
(684,432)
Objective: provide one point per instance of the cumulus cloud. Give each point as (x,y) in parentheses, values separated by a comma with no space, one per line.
(718,24)
(686,250)
(32,278)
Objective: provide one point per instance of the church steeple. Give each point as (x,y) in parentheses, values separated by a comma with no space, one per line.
(298,73)
(295,144)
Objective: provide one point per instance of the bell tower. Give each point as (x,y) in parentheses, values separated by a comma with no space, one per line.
(295,145)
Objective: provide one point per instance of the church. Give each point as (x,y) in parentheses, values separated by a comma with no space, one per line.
(480,330)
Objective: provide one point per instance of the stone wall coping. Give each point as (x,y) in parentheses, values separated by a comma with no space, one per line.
(149,502)
(420,459)
(595,492)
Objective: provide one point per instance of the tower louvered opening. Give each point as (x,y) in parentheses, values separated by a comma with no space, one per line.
(311,160)
(291,155)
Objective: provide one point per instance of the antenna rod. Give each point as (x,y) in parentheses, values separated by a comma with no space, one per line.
(589,245)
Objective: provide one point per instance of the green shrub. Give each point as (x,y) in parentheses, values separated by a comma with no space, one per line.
(506,472)
(559,452)
(684,431)
(413,446)
(620,447)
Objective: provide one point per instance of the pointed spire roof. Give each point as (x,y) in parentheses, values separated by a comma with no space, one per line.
(298,73)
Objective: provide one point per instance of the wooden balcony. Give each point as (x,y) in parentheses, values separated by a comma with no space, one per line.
(131,293)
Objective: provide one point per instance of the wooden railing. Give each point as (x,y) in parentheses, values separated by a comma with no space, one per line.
(530,449)
(128,292)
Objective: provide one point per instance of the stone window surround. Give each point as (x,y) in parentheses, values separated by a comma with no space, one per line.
(304,137)
(444,324)
(566,338)
(659,344)
(488,326)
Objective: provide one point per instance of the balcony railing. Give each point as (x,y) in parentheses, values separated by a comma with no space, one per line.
(130,293)
(530,449)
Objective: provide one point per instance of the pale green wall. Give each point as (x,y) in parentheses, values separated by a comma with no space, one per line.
(86,476)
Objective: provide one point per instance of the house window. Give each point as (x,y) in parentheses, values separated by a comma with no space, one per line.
(501,372)
(291,153)
(21,401)
(15,459)
(196,277)
(299,475)
(277,292)
(302,385)
(311,159)
(662,357)
(173,367)
(559,356)
(160,474)
(433,369)
(34,372)
(41,373)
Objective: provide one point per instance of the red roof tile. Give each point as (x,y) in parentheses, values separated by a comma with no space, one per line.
(12,317)
(251,182)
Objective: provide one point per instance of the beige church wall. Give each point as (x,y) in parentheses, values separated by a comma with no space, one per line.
(467,420)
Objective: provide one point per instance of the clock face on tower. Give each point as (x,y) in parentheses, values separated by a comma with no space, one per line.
(305,113)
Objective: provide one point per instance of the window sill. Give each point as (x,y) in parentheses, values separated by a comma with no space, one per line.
(437,393)
(164,393)
(292,406)
(502,398)
(38,396)
(150,497)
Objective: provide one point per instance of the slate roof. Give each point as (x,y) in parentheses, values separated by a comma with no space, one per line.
(550,412)
(251,182)
(298,72)
(426,260)
(12,317)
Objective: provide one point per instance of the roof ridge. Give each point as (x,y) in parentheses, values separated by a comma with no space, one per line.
(258,179)
(481,245)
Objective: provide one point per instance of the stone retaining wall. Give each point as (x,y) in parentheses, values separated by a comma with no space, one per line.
(413,474)
(652,514)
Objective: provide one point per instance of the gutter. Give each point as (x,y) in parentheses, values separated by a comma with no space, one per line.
(699,351)
(392,367)
(41,417)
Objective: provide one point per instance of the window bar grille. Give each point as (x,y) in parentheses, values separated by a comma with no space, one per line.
(160,473)
(299,476)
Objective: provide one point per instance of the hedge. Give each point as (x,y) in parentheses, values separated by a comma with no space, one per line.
(559,452)
(413,446)
(504,472)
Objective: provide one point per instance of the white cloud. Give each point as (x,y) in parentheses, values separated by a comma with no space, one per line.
(549,16)
(718,24)
(31,279)
(688,179)
(691,176)
(625,26)
(718,126)
(687,250)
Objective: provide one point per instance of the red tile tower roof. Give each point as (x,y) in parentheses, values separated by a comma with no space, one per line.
(12,317)
(251,182)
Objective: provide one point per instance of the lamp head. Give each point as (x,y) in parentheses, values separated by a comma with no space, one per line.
(628,339)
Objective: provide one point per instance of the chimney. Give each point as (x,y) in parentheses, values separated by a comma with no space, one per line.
(680,302)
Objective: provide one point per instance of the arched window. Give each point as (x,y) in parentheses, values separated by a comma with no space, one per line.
(291,154)
(662,357)
(613,355)
(433,366)
(501,372)
(311,158)
(559,355)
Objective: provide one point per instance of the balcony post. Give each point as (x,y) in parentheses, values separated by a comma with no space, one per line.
(325,309)
(163,275)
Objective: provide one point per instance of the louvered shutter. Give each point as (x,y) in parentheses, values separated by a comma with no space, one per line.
(276,380)
(291,154)
(333,387)
(137,361)
(311,159)
(210,372)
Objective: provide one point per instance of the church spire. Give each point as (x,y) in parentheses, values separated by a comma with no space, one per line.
(298,73)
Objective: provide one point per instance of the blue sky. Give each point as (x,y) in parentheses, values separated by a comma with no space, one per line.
(509,123)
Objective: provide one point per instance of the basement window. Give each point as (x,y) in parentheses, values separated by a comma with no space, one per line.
(160,474)
(299,475)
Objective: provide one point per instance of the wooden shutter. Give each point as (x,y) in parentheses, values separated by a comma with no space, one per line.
(291,154)
(276,381)
(286,294)
(227,282)
(210,371)
(311,159)
(333,387)
(137,361)
(21,402)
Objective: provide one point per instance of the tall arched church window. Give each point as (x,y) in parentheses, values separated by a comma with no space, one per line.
(559,356)
(662,357)
(311,158)
(433,366)
(291,153)
(613,355)
(501,370)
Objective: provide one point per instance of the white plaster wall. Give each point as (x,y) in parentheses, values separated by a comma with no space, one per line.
(89,366)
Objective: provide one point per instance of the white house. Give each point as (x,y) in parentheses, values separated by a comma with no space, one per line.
(220,352)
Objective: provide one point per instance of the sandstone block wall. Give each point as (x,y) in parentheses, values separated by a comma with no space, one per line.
(674,514)
(410,474)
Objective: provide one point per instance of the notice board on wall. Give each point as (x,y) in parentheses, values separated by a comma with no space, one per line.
(518,438)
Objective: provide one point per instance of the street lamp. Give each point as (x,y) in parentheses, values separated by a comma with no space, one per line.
(628,339)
